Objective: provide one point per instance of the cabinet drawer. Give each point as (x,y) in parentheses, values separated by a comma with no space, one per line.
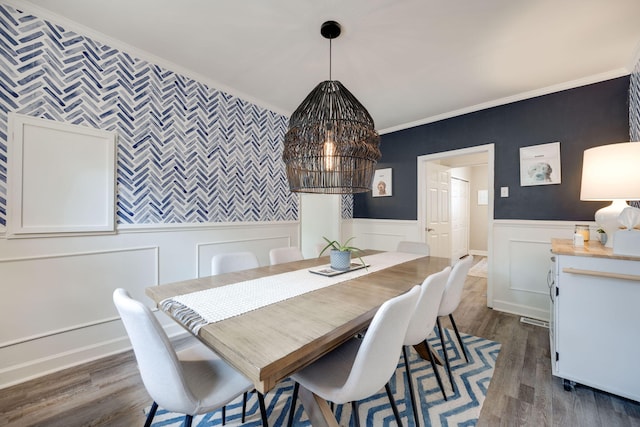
(601,265)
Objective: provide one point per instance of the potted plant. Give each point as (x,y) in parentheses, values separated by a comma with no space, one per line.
(602,235)
(340,254)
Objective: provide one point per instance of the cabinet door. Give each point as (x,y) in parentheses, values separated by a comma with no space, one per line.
(597,324)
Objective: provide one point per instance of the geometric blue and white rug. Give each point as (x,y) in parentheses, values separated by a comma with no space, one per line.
(461,409)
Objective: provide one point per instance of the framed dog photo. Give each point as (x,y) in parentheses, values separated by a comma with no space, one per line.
(540,164)
(382,183)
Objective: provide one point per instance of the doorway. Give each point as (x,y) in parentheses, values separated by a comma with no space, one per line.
(467,157)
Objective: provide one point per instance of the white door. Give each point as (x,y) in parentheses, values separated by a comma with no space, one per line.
(459,218)
(438,218)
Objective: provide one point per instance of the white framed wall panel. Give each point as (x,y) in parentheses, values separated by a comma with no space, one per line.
(65,292)
(527,259)
(520,262)
(61,178)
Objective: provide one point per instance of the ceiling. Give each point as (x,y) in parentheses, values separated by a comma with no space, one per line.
(408,62)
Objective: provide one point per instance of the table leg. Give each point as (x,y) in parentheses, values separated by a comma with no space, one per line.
(317,409)
(422,351)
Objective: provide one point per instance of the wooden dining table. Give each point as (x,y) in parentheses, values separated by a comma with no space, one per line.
(270,343)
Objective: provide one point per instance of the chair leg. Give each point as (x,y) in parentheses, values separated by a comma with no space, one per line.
(244,406)
(455,328)
(224,415)
(414,405)
(263,410)
(152,413)
(393,404)
(354,413)
(446,355)
(294,400)
(435,370)
(188,419)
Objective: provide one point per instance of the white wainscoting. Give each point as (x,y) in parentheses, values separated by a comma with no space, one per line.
(56,310)
(73,284)
(382,234)
(518,265)
(520,262)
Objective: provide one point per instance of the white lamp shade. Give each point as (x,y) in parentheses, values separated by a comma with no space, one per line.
(611,172)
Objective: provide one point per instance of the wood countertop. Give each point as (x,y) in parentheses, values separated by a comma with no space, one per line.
(591,248)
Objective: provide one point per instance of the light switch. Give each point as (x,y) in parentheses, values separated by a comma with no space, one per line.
(504,191)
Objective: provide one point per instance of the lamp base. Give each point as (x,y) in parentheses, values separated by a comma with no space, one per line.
(607,219)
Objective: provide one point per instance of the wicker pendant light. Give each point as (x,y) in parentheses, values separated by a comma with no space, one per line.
(331,146)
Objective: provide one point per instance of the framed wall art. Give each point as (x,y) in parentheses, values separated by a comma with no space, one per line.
(540,164)
(382,183)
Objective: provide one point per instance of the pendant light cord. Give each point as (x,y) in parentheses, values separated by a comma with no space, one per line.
(329,59)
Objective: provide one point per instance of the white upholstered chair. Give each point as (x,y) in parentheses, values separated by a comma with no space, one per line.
(233,261)
(450,301)
(192,381)
(421,326)
(361,367)
(421,248)
(282,255)
(229,263)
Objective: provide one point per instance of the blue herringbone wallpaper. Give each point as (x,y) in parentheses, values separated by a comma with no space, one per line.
(634,111)
(634,104)
(186,152)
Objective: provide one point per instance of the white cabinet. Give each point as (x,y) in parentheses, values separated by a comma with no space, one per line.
(595,320)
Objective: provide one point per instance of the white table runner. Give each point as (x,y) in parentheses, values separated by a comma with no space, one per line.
(197,309)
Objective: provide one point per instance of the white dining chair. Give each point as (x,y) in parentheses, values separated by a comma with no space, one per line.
(192,381)
(421,248)
(233,261)
(282,255)
(421,326)
(359,368)
(450,301)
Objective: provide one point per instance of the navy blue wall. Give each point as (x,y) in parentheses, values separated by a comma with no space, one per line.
(579,118)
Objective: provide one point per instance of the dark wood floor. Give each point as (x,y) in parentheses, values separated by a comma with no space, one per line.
(522,392)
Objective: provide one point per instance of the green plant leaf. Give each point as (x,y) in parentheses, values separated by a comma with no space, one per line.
(343,247)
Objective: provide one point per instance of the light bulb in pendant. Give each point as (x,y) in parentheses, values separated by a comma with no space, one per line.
(329,150)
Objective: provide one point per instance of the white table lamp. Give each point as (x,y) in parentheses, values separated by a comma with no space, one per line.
(611,172)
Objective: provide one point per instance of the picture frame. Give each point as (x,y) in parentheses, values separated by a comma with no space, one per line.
(382,185)
(540,164)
